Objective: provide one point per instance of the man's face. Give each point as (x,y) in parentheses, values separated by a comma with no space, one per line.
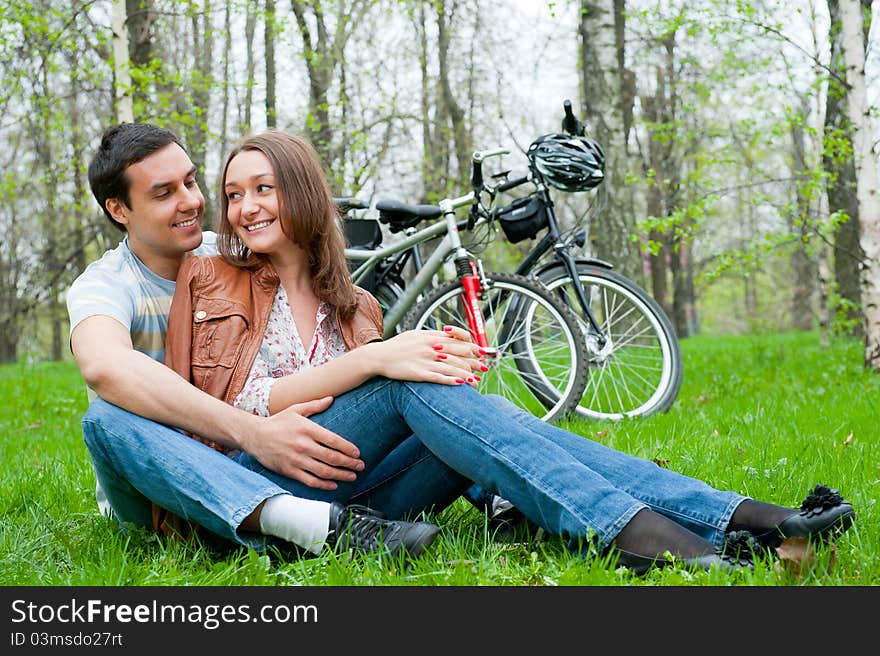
(164,214)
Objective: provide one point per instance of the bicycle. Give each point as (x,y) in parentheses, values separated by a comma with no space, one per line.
(634,355)
(385,279)
(532,341)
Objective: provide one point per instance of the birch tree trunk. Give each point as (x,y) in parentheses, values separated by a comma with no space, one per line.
(602,82)
(124,105)
(866,175)
(841,189)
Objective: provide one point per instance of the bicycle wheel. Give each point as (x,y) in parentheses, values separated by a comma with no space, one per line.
(517,310)
(387,294)
(638,371)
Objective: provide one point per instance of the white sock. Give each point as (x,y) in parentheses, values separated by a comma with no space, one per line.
(301,521)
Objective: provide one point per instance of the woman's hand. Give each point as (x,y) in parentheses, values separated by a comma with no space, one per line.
(448,357)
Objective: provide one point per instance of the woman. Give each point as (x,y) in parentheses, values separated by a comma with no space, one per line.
(276,321)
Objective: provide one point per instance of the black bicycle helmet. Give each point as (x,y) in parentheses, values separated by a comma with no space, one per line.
(568,162)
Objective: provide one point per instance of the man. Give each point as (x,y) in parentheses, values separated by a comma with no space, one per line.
(145,183)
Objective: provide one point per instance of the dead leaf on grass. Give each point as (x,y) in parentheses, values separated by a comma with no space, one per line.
(848,440)
(797,555)
(33,426)
(600,434)
(662,462)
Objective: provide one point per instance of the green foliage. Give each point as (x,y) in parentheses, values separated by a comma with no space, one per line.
(728,155)
(732,189)
(768,415)
(846,315)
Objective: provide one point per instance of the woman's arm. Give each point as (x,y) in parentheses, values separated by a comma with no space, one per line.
(433,356)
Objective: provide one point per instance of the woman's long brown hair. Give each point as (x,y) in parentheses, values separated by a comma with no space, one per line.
(307,213)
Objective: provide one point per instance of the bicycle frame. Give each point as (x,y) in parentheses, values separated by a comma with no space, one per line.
(423,279)
(553,240)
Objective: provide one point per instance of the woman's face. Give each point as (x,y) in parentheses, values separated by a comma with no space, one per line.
(253,202)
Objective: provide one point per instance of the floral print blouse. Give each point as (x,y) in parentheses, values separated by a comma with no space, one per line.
(282,352)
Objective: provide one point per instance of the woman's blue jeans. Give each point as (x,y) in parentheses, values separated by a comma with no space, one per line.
(423,444)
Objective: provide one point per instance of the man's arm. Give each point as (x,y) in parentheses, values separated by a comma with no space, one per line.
(286,442)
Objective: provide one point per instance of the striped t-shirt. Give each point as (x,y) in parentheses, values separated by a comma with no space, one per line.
(119,285)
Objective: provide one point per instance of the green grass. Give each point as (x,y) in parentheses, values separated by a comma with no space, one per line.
(767,415)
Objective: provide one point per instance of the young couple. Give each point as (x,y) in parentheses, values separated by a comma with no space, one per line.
(283,418)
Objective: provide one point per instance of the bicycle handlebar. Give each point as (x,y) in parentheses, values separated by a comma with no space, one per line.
(510,184)
(570,124)
(477,166)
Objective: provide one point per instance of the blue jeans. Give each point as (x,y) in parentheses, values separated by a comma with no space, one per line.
(423,444)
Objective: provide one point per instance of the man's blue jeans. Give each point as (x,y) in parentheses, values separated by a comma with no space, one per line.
(422,444)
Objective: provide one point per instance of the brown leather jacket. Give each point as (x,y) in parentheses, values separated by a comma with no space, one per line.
(216,325)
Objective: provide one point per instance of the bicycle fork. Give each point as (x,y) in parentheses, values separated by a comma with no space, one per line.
(472,284)
(596,333)
(470,275)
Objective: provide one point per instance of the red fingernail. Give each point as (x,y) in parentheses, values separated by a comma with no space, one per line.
(459,381)
(470,380)
(482,350)
(477,377)
(438,347)
(484,367)
(442,356)
(448,329)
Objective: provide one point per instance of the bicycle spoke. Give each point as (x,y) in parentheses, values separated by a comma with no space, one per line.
(534,347)
(630,370)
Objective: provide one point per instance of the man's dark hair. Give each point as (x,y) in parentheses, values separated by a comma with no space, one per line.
(122,146)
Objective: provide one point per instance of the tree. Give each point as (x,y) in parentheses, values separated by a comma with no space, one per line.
(250,26)
(841,186)
(801,224)
(269,31)
(140,16)
(122,82)
(851,27)
(607,92)
(323,43)
(447,141)
(46,65)
(670,251)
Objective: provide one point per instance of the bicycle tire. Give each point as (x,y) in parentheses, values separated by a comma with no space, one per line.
(387,294)
(639,371)
(556,346)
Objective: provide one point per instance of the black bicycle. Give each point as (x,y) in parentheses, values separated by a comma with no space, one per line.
(634,354)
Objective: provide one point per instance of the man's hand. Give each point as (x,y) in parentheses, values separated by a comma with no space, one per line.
(298,448)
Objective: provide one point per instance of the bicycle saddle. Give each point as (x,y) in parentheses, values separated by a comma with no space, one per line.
(400,216)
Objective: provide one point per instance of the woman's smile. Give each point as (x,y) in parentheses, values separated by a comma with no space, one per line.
(259,226)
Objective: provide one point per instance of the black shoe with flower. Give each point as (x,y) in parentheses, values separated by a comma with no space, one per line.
(740,548)
(823,514)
